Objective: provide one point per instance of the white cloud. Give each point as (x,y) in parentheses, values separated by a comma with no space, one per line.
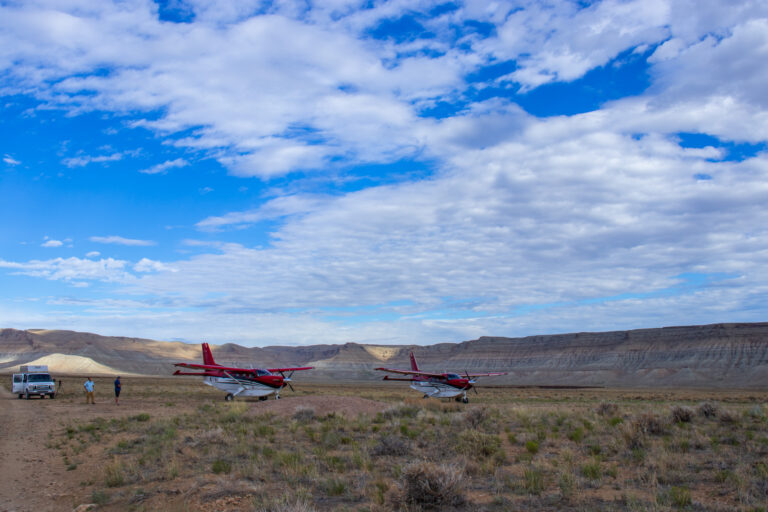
(163,167)
(526,226)
(52,243)
(119,240)
(93,254)
(81,161)
(8,159)
(71,269)
(147,265)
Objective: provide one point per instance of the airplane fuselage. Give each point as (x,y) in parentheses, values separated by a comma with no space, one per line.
(441,388)
(241,387)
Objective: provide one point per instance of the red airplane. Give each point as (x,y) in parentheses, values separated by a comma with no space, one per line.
(438,385)
(240,381)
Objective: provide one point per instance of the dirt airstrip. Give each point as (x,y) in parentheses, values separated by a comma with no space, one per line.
(33,476)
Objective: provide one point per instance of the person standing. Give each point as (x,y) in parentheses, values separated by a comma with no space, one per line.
(118,387)
(89,394)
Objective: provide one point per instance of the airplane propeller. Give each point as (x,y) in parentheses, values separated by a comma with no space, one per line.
(470,381)
(287,380)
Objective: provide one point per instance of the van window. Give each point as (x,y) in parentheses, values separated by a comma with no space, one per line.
(39,377)
(17,378)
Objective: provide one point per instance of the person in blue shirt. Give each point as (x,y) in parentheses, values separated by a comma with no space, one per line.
(118,387)
(89,394)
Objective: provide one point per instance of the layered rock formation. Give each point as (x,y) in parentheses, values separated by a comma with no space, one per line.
(712,356)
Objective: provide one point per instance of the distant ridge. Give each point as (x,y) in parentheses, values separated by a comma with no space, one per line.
(733,355)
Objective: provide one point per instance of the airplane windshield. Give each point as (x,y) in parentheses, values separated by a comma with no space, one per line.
(262,373)
(451,376)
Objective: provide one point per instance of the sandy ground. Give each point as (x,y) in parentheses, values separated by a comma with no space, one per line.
(33,475)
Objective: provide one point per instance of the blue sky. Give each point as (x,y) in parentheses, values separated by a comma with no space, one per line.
(381,172)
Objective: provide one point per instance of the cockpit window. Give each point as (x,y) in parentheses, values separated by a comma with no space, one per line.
(451,376)
(262,373)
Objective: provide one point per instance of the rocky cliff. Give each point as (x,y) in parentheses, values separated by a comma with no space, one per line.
(718,356)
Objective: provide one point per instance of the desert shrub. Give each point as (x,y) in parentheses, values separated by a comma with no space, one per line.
(728,417)
(679,497)
(297,506)
(399,411)
(633,437)
(304,414)
(532,447)
(391,445)
(756,412)
(681,414)
(472,442)
(576,435)
(335,487)
(221,466)
(428,486)
(592,470)
(607,409)
(534,480)
(567,484)
(649,423)
(475,417)
(708,410)
(99,497)
(114,474)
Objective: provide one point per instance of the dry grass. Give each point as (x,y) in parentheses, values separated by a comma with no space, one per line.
(508,450)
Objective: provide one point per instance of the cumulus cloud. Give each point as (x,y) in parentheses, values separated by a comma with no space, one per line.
(527,225)
(81,161)
(8,159)
(71,269)
(119,240)
(163,167)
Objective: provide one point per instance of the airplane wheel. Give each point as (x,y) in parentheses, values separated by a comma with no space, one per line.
(465,400)
(457,399)
(262,398)
(277,397)
(425,396)
(229,397)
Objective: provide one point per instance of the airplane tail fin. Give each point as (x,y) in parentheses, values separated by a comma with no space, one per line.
(207,355)
(414,366)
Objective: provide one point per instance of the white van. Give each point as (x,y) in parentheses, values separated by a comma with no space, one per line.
(33,381)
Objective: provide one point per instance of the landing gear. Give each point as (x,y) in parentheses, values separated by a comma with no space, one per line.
(277,397)
(465,400)
(229,397)
(425,396)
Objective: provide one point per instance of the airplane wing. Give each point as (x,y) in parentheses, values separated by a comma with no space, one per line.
(409,372)
(230,369)
(484,374)
(195,366)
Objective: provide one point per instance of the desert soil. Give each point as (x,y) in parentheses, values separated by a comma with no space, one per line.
(33,475)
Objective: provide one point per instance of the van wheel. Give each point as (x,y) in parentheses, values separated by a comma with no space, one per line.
(52,395)
(26,395)
(20,395)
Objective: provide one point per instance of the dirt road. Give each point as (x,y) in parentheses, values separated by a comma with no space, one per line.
(33,475)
